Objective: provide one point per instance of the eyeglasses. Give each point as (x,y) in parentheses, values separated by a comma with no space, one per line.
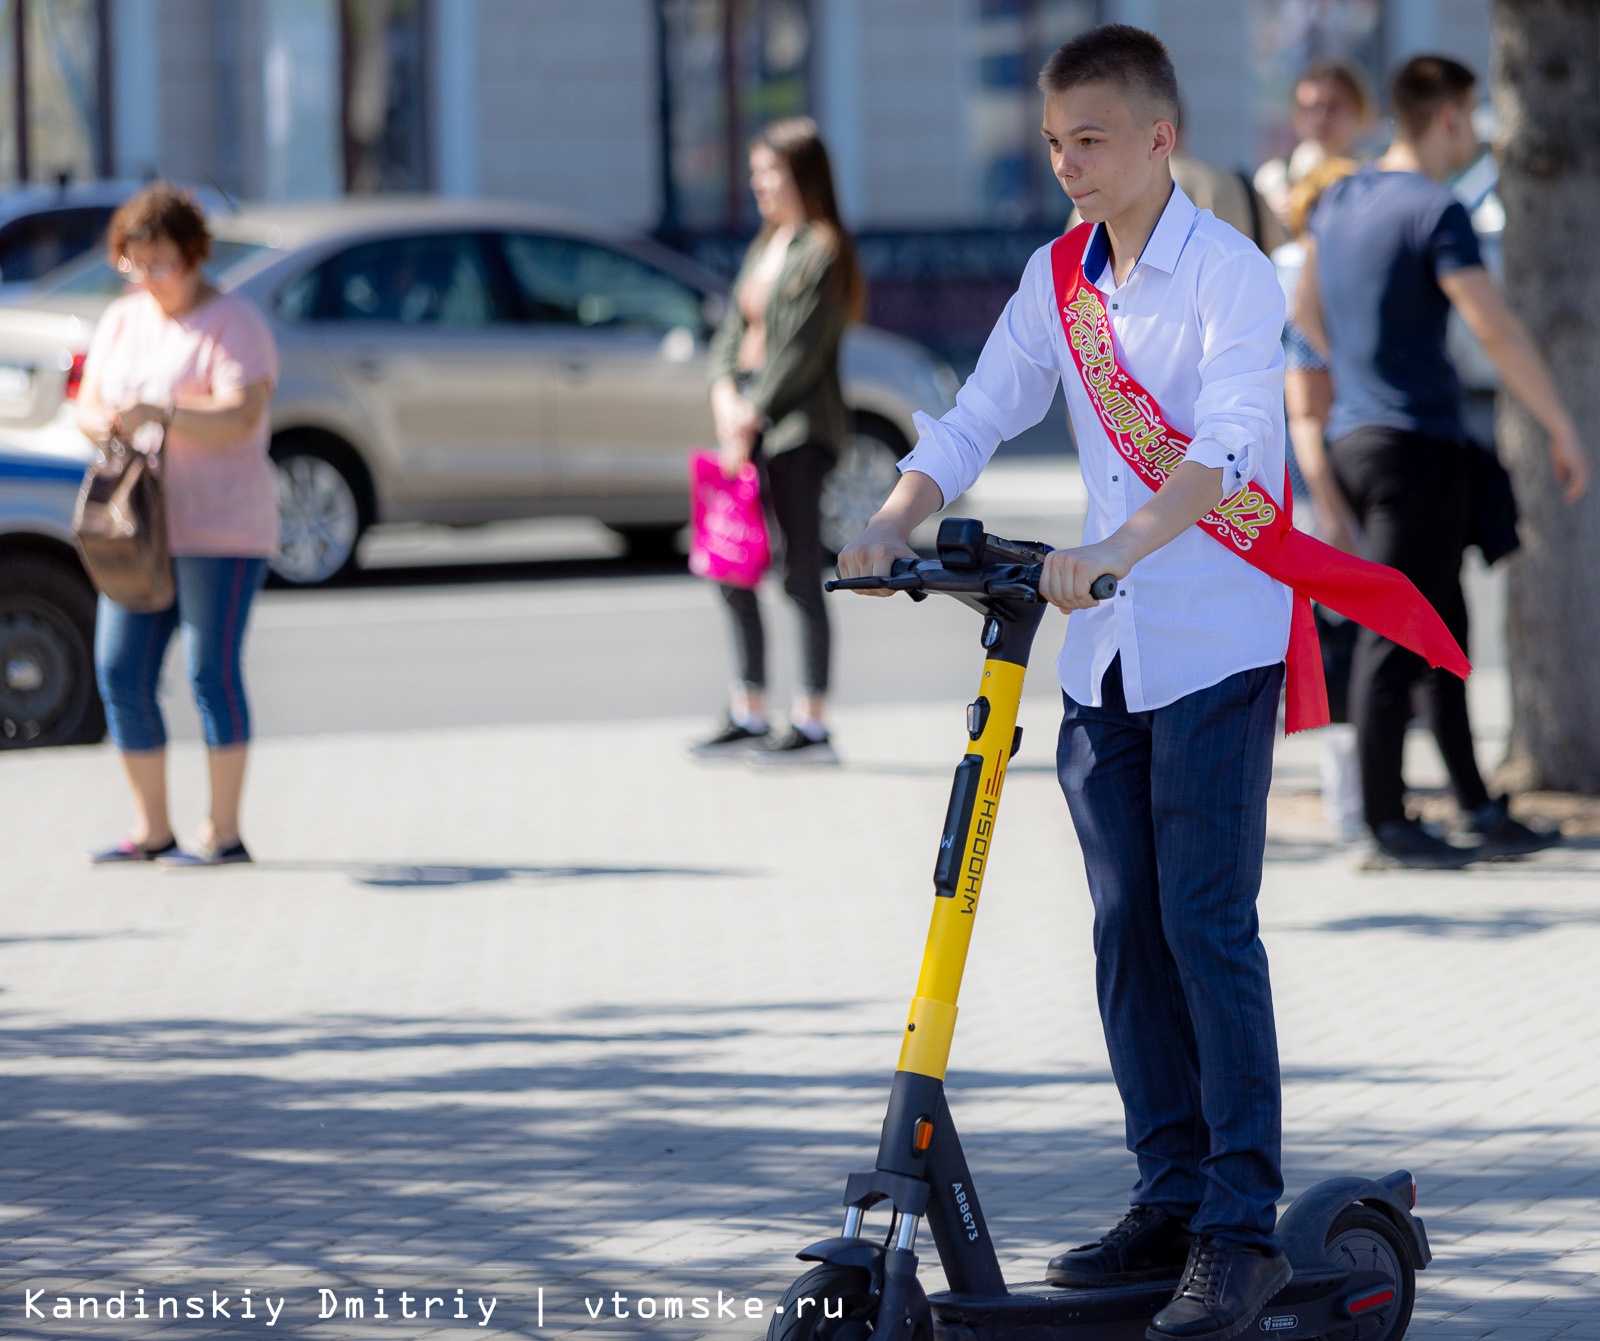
(137,274)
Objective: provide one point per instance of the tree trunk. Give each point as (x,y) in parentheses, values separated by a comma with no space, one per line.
(1547,93)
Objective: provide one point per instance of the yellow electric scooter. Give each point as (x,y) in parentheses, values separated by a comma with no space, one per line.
(1353,1242)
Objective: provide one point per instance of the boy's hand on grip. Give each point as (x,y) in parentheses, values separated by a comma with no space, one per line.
(872,554)
(1068,574)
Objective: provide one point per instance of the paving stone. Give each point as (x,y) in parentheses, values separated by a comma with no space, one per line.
(554,1006)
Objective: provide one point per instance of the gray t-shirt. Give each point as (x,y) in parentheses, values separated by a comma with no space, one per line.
(1383,241)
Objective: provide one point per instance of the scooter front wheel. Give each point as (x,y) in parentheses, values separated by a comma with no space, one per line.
(828,1303)
(1363,1239)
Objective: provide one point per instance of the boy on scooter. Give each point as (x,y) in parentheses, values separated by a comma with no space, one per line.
(1167,331)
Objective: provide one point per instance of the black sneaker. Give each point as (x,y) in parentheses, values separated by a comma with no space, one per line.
(733,739)
(1147,1244)
(1504,837)
(1224,1286)
(794,747)
(1406,845)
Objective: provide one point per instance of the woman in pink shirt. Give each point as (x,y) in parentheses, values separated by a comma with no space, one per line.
(176,354)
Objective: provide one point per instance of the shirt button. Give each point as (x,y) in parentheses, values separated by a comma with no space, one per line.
(1123,592)
(1114,479)
(1113,307)
(1230,456)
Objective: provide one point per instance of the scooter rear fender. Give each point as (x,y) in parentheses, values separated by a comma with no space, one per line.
(1304,1227)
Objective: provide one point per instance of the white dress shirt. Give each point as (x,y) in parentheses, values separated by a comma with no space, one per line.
(1198,323)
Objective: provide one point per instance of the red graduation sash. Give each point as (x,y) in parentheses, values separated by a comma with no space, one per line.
(1249,521)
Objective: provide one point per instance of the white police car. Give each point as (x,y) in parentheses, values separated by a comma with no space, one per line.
(47,608)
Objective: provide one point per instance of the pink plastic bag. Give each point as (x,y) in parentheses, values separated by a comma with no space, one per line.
(728,527)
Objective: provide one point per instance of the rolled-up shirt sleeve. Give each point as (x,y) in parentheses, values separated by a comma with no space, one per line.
(1011,390)
(1241,369)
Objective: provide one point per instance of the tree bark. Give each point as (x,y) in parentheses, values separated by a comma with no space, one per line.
(1547,94)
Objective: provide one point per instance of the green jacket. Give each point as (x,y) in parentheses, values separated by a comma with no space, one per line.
(798,389)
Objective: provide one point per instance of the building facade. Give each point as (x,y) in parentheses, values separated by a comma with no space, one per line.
(637,111)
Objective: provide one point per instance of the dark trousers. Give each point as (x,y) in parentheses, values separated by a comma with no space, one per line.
(1170,807)
(1409,491)
(791,489)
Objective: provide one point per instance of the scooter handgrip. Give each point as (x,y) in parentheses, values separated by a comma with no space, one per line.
(1104,587)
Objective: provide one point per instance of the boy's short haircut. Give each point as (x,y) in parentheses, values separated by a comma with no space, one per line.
(1115,53)
(1423,86)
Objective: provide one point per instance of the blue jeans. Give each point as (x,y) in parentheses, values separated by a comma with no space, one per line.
(212,606)
(1170,806)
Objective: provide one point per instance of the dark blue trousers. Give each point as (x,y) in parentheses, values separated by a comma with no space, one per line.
(1170,807)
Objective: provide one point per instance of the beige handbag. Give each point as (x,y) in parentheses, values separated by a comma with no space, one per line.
(121,527)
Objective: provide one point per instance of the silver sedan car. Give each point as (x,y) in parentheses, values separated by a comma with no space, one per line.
(465,362)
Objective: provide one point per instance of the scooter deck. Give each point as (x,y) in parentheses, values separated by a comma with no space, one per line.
(1304,1309)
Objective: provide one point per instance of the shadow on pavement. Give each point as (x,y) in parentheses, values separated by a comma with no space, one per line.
(381,875)
(625,1154)
(1504,924)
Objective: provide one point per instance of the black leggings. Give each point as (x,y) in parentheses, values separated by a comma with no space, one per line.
(1409,491)
(791,488)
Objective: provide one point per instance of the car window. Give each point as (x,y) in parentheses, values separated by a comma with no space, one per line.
(97,279)
(568,282)
(36,244)
(413,281)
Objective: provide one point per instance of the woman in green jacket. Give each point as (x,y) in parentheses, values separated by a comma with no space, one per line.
(776,401)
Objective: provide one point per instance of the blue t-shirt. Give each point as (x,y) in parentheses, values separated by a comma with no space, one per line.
(1383,240)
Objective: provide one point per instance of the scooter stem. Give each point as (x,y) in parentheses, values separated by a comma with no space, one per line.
(968,836)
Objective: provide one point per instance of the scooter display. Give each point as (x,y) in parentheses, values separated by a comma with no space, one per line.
(1353,1242)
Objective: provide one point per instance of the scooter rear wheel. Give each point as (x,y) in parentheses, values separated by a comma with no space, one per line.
(1362,1238)
(828,1303)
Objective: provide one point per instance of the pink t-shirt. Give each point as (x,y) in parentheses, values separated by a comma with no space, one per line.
(221,499)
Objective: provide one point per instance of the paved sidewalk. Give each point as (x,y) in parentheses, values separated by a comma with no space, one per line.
(551,1006)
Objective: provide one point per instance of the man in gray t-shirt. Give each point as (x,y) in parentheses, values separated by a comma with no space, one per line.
(1391,251)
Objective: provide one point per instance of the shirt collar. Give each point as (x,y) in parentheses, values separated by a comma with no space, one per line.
(1166,241)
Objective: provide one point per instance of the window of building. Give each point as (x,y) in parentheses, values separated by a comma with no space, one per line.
(1011,39)
(54,90)
(731,67)
(383,106)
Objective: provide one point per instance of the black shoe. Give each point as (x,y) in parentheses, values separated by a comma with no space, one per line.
(1224,1286)
(794,747)
(1503,836)
(1406,845)
(731,740)
(1147,1244)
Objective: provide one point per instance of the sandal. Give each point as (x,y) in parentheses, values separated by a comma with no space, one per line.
(128,850)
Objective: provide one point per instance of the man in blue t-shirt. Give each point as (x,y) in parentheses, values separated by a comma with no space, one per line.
(1391,251)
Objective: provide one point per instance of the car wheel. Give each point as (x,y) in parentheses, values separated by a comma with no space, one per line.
(862,479)
(47,688)
(320,511)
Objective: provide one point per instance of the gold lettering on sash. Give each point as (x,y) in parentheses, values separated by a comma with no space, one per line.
(1134,424)
(1249,510)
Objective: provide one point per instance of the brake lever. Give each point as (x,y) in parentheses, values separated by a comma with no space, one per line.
(910,583)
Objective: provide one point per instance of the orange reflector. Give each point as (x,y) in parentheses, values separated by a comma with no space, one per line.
(922,1135)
